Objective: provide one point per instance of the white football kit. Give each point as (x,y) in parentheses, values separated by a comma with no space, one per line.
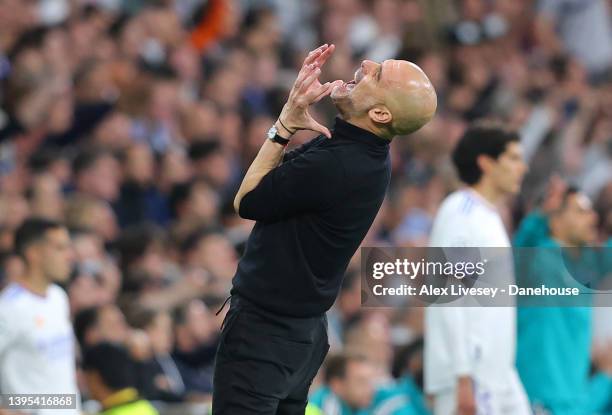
(37,345)
(472,341)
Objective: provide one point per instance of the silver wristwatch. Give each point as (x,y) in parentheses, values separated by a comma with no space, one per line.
(273,136)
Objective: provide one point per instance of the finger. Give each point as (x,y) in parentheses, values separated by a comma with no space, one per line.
(320,92)
(304,73)
(315,126)
(312,76)
(324,55)
(313,55)
(325,91)
(317,50)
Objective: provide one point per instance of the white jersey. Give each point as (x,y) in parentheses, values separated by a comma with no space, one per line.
(469,341)
(36,344)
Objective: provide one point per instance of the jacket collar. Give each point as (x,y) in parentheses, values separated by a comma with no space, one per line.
(352,132)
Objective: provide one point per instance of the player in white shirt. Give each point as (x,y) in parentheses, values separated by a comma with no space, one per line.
(36,337)
(470,351)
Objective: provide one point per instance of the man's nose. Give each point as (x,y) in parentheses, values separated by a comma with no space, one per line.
(367,65)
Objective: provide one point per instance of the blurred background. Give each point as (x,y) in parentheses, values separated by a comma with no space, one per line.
(134,121)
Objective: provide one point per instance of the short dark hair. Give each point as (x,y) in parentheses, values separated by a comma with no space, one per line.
(112,362)
(142,317)
(193,239)
(202,149)
(179,314)
(87,158)
(31,231)
(569,192)
(482,138)
(134,242)
(404,355)
(181,192)
(335,365)
(42,159)
(84,321)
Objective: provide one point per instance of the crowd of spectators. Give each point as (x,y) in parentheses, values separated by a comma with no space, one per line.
(134,121)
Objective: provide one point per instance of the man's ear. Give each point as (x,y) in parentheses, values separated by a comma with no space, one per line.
(484,162)
(380,115)
(31,253)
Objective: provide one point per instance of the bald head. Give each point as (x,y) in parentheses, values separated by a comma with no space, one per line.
(410,96)
(392,98)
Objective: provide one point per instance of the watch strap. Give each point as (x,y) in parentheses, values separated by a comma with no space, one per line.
(280,140)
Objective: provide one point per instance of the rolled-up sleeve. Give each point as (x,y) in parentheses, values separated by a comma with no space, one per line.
(310,182)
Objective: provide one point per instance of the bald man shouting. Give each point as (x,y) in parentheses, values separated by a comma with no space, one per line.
(313,207)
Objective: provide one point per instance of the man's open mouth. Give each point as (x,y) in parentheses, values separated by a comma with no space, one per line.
(351,84)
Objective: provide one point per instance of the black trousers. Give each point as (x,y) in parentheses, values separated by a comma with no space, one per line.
(265,363)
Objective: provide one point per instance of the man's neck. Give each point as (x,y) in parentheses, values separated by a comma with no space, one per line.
(35,282)
(488,193)
(368,125)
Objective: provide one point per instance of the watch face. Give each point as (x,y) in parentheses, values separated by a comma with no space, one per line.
(272,132)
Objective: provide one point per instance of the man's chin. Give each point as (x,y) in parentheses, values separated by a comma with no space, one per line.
(60,279)
(338,94)
(514,190)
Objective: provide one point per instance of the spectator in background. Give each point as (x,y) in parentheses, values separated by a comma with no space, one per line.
(142,259)
(53,162)
(100,324)
(45,197)
(555,339)
(348,386)
(582,28)
(140,200)
(175,169)
(159,377)
(96,173)
(109,372)
(408,369)
(195,348)
(370,337)
(346,310)
(210,162)
(94,264)
(151,278)
(211,250)
(37,342)
(194,204)
(92,214)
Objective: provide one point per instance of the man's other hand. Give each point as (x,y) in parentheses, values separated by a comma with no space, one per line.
(466,400)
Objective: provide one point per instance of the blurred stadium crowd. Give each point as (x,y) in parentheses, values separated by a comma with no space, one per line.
(134,121)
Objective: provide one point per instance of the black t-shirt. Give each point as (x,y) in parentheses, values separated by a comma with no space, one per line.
(312,213)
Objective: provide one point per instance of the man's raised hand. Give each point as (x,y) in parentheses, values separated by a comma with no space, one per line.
(306,91)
